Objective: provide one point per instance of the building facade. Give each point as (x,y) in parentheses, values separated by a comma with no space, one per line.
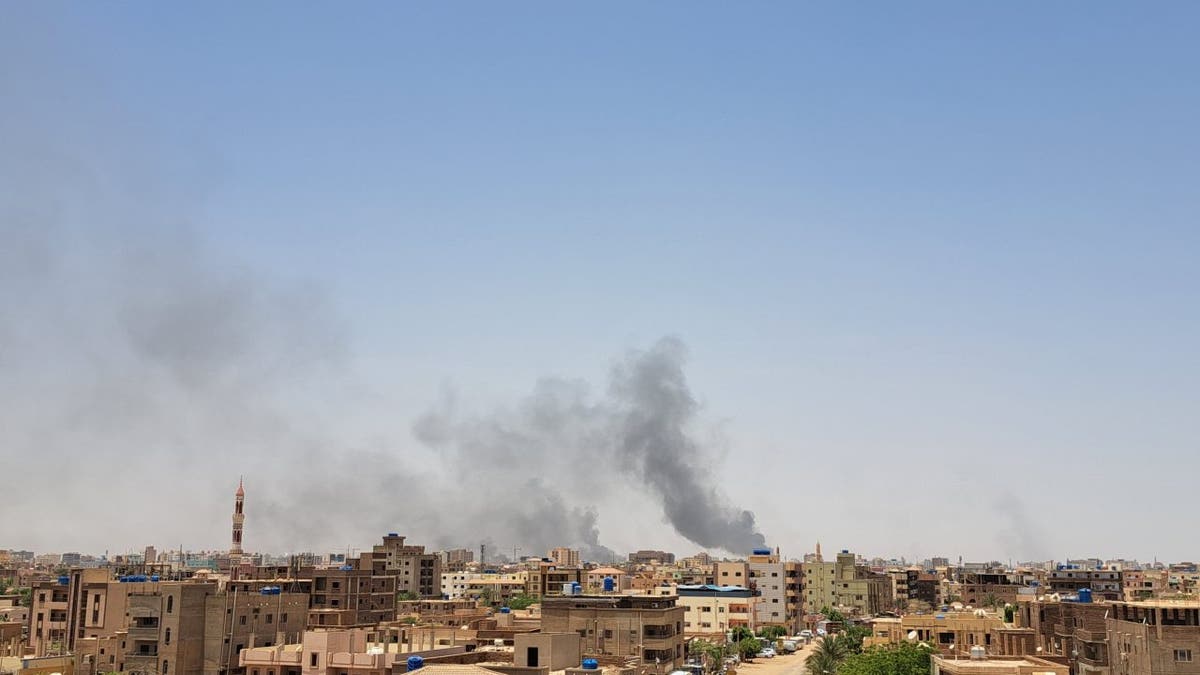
(646,627)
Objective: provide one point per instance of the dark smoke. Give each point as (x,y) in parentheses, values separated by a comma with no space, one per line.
(655,407)
(562,436)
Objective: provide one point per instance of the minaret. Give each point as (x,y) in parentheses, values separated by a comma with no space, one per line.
(819,558)
(235,550)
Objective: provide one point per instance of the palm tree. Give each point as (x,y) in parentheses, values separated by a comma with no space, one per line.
(991,601)
(827,654)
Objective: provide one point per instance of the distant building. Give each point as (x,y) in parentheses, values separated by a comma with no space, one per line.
(349,596)
(456,560)
(779,588)
(648,627)
(846,586)
(564,557)
(652,558)
(731,573)
(1068,579)
(416,571)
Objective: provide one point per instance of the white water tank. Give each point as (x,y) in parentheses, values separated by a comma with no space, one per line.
(978,653)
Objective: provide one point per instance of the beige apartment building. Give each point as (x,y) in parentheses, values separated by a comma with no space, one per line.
(564,557)
(954,633)
(1075,630)
(416,571)
(1154,637)
(710,612)
(649,627)
(49,629)
(731,573)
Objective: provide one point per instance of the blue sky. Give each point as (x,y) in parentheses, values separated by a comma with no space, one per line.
(923,255)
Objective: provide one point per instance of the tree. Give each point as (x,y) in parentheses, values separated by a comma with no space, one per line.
(406,595)
(852,637)
(827,654)
(740,633)
(1010,613)
(991,601)
(772,632)
(904,658)
(522,601)
(832,615)
(748,647)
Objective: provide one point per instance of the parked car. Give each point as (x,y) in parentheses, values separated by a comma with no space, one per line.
(806,634)
(765,653)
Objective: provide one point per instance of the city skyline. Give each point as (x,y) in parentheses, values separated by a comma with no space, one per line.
(916,279)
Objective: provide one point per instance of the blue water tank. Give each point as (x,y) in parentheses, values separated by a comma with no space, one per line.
(154,578)
(347,568)
(505,610)
(591,664)
(64,580)
(393,534)
(610,584)
(415,663)
(1085,595)
(761,551)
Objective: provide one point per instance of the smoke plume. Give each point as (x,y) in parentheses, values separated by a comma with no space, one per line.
(642,428)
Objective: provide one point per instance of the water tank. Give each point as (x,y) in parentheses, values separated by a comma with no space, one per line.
(505,610)
(978,653)
(590,664)
(610,584)
(576,588)
(415,663)
(1085,595)
(761,551)
(393,534)
(568,589)
(154,578)
(347,568)
(64,580)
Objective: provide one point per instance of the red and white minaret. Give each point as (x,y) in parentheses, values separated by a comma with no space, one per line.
(235,550)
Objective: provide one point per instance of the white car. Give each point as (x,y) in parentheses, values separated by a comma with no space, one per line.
(765,653)
(806,634)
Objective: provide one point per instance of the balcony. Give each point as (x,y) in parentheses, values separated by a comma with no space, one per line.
(144,633)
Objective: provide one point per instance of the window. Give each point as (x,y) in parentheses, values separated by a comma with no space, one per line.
(167,637)
(166,667)
(1183,655)
(270,618)
(312,659)
(608,634)
(170,603)
(242,619)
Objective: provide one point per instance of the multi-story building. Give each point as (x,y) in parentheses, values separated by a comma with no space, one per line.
(645,557)
(778,583)
(546,579)
(649,627)
(1067,579)
(456,560)
(844,585)
(1074,630)
(564,557)
(1143,584)
(49,630)
(955,633)
(711,611)
(731,573)
(1154,637)
(350,596)
(986,588)
(416,571)
(12,638)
